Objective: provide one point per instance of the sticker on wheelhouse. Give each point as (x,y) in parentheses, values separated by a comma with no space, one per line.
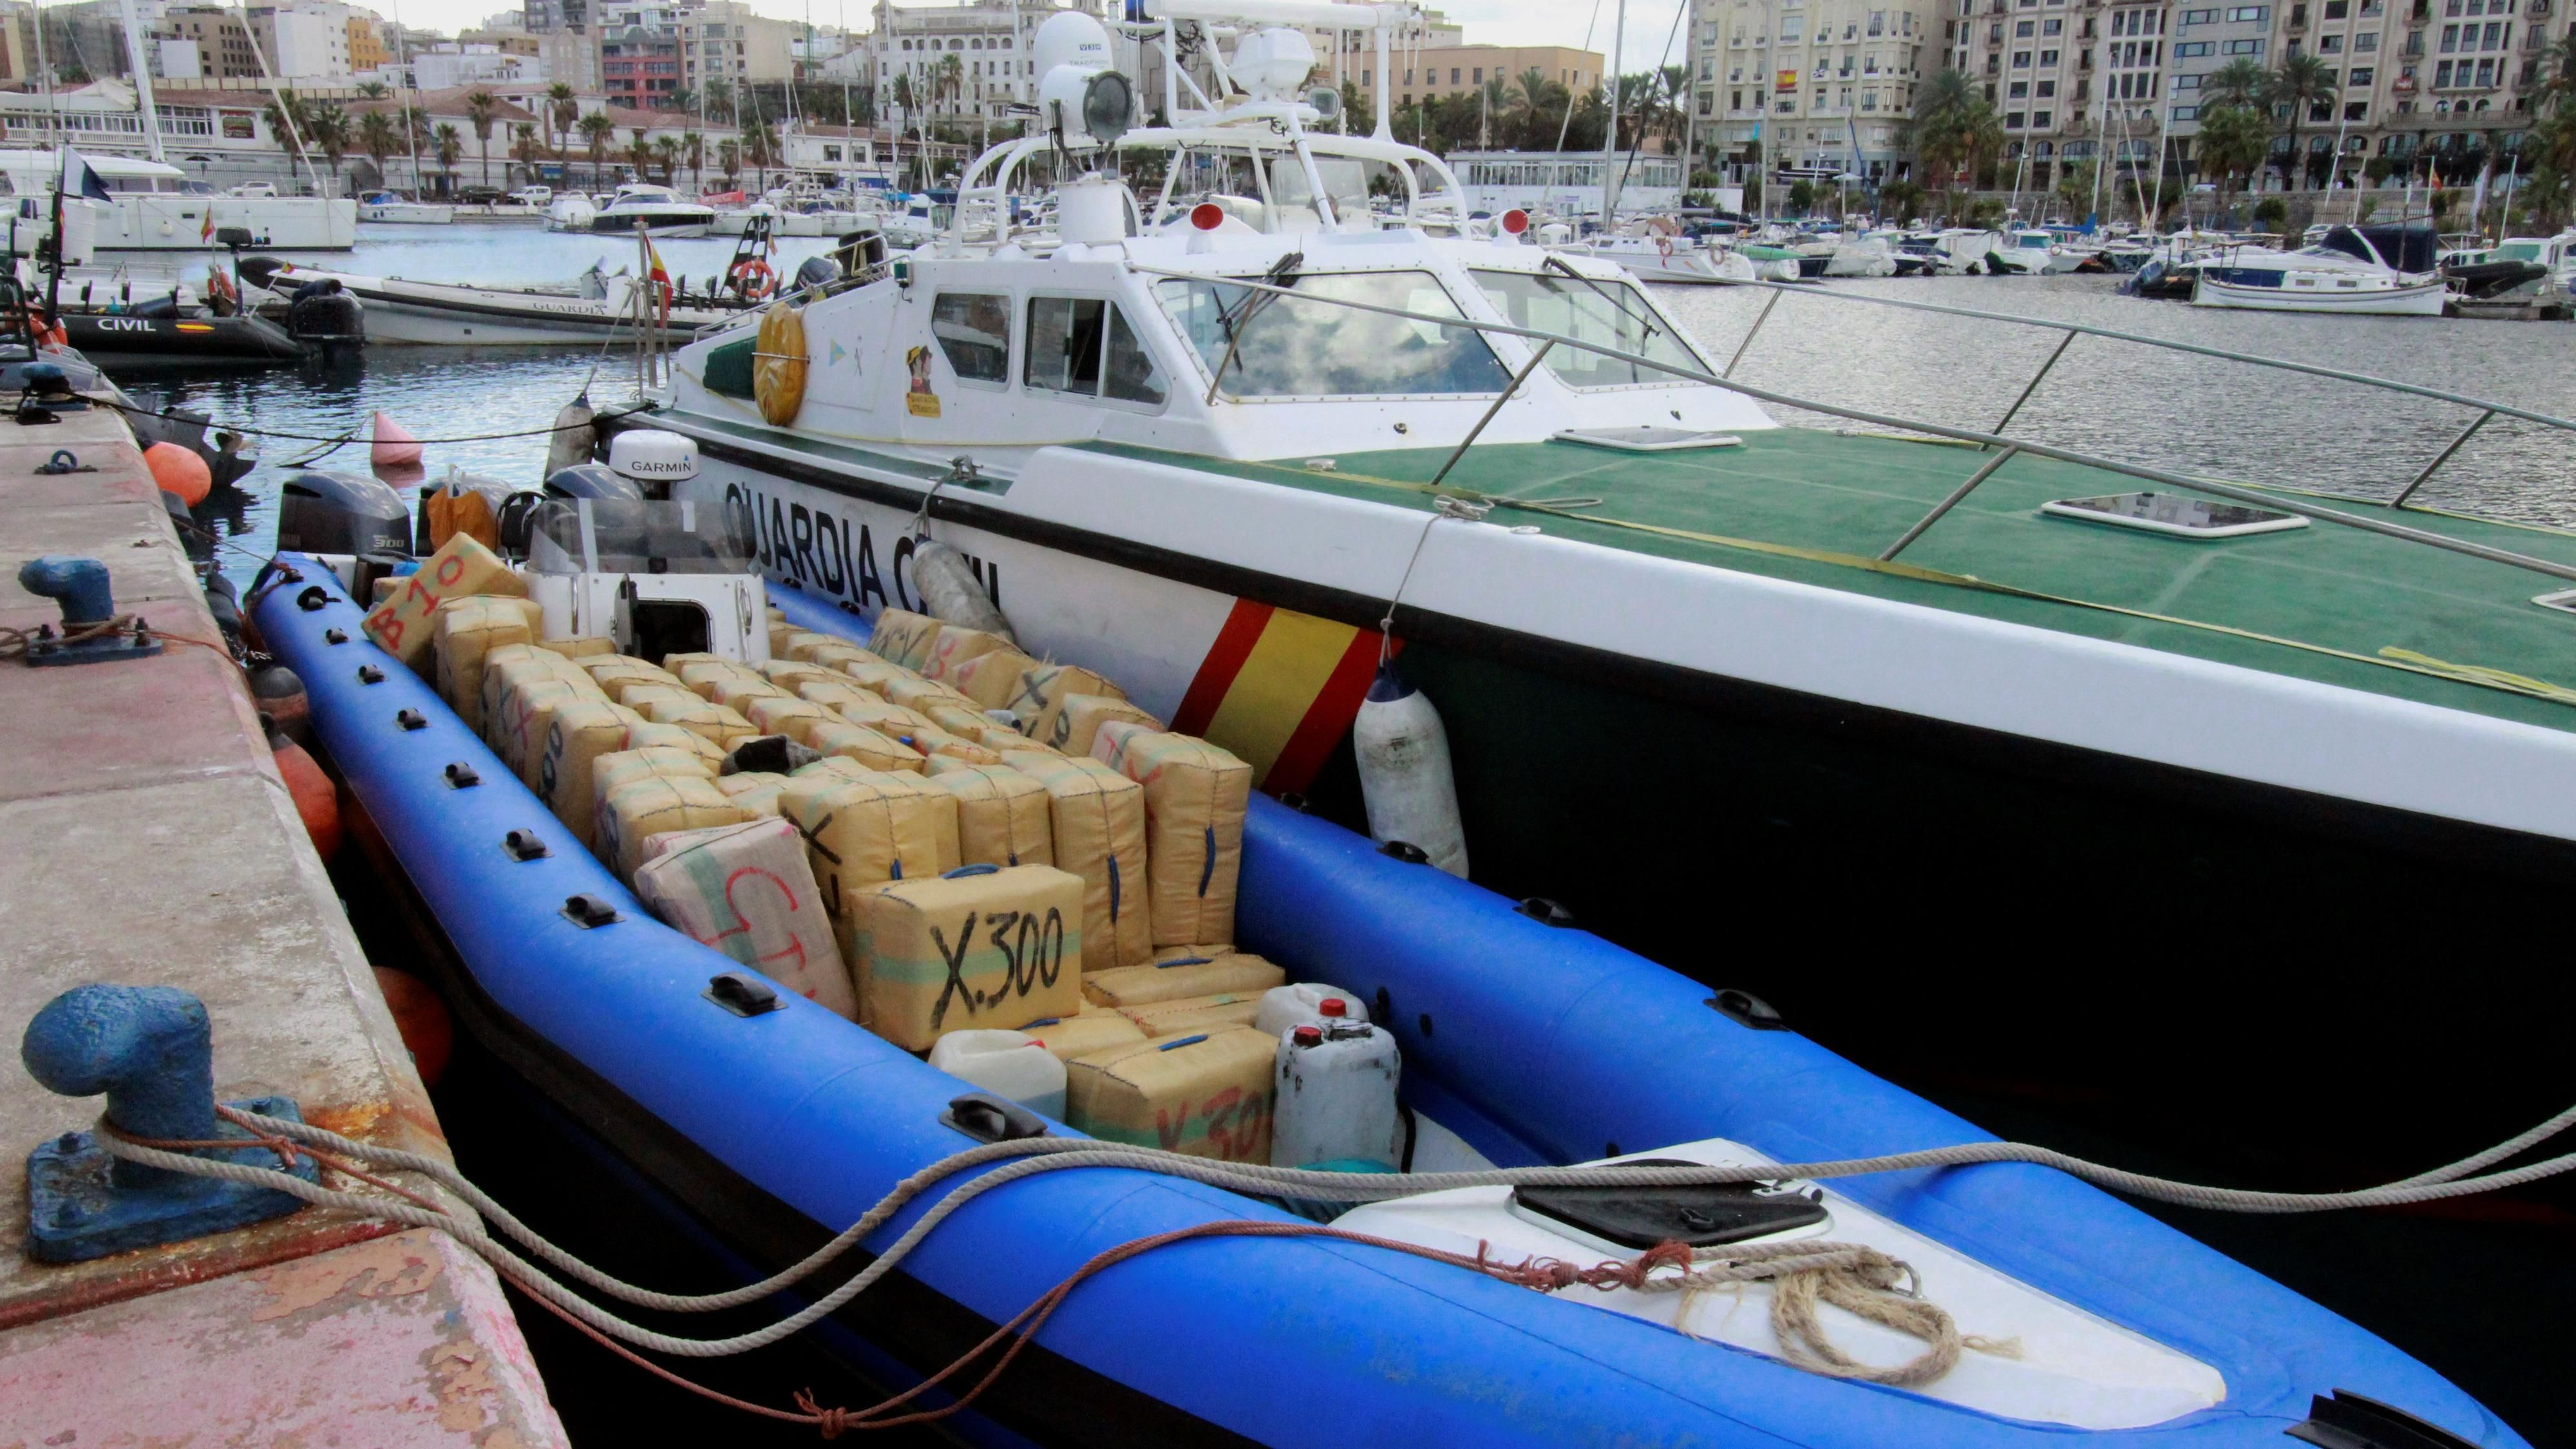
(919,399)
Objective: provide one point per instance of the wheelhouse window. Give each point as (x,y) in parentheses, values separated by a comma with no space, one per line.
(974,332)
(1264,344)
(1605,314)
(1084,346)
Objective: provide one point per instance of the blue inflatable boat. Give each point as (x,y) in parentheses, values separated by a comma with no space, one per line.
(1523,1043)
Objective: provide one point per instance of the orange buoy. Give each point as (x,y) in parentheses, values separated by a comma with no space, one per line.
(179,472)
(280,695)
(317,803)
(428,1033)
(394,446)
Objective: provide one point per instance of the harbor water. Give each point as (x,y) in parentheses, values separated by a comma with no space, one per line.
(2412,1277)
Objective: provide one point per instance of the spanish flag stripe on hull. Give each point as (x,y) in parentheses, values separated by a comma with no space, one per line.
(1279,688)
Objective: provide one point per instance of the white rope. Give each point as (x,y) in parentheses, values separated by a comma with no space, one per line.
(1049,1154)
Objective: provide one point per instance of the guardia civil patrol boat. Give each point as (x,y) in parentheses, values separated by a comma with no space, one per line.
(2147,796)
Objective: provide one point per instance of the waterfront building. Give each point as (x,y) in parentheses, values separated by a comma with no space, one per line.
(1823,85)
(1566,183)
(1421,73)
(990,40)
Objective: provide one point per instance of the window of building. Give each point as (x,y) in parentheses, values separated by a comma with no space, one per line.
(2021,60)
(2361,76)
(2450,38)
(2013,120)
(974,331)
(2047,88)
(2023,30)
(2253,13)
(2187,49)
(2243,47)
(2048,57)
(2040,119)
(2356,110)
(2053,26)
(2486,72)
(2019,90)
(2441,75)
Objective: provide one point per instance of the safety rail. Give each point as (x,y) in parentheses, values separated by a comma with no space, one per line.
(2012,446)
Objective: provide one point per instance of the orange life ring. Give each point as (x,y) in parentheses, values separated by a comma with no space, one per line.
(1663,246)
(752,278)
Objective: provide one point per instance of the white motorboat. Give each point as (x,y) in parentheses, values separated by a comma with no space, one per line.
(2033,252)
(1860,256)
(449,314)
(1953,251)
(2386,270)
(393,206)
(658,209)
(159,207)
(785,220)
(1658,258)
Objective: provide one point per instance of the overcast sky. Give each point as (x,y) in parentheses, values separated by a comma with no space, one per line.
(1497,22)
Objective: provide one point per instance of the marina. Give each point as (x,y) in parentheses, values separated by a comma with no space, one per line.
(814,807)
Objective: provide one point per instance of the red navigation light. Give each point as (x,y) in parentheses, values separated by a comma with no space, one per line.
(1207,216)
(1516,221)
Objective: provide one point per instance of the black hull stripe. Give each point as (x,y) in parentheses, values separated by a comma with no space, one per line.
(2456,843)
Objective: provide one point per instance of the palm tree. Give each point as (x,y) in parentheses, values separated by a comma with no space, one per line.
(2302,81)
(2237,83)
(595,130)
(378,138)
(639,154)
(372,90)
(695,145)
(328,126)
(667,151)
(526,148)
(1954,128)
(448,144)
(948,79)
(289,121)
(2233,140)
(760,148)
(720,98)
(728,161)
(561,109)
(481,108)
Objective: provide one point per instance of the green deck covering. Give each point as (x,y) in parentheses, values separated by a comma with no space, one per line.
(2325,585)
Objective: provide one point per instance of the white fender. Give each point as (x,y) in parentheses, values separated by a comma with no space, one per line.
(951,593)
(1404,772)
(574,436)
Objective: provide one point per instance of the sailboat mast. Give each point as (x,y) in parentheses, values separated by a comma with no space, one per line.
(1610,141)
(411,126)
(142,79)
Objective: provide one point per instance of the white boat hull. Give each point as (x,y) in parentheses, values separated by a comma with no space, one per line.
(179,222)
(438,315)
(416,213)
(2421,299)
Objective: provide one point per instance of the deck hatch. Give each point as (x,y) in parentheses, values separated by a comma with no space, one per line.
(2174,514)
(1646,438)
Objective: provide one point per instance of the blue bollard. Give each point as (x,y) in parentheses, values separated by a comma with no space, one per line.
(79,586)
(151,1051)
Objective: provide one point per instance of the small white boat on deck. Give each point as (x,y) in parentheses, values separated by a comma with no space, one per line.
(447,314)
(393,206)
(2369,270)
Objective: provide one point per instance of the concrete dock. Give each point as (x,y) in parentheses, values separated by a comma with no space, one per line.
(151,842)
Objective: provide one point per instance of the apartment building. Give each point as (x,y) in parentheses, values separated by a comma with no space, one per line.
(1824,85)
(203,43)
(1423,73)
(303,42)
(724,41)
(17,40)
(990,40)
(639,55)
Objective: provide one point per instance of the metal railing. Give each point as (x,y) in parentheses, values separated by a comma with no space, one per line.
(2488,410)
(2010,447)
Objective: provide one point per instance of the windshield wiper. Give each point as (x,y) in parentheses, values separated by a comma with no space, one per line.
(1560,264)
(1282,273)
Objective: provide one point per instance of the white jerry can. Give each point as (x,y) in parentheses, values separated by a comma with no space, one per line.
(1333,1091)
(1303,1004)
(1404,772)
(1012,1064)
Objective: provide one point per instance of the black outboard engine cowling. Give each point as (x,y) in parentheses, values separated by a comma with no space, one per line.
(325,315)
(341,513)
(817,272)
(592,480)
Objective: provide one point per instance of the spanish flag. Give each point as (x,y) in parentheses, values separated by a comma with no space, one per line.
(1279,689)
(658,275)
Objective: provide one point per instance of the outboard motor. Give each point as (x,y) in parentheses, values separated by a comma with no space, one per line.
(816,272)
(591,480)
(857,251)
(324,315)
(341,513)
(653,460)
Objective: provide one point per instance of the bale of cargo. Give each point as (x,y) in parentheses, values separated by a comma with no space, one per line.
(1208,971)
(956,718)
(921,694)
(602,666)
(1082,1033)
(831,653)
(581,732)
(780,631)
(747,891)
(991,678)
(932,740)
(1195,798)
(646,735)
(865,746)
(886,719)
(1075,724)
(876,676)
(783,715)
(736,692)
(955,646)
(788,673)
(517,729)
(711,722)
(578,647)
(1214,1012)
(832,694)
(1006,737)
(512,665)
(634,809)
(903,638)
(401,624)
(1096,823)
(1044,689)
(1201,1094)
(977,948)
(465,631)
(617,767)
(756,791)
(701,675)
(1002,816)
(863,829)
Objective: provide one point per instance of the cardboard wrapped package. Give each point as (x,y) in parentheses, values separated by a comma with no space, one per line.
(954,647)
(1202,1094)
(517,729)
(1196,1013)
(702,673)
(1082,1034)
(581,733)
(1075,725)
(979,947)
(1044,690)
(865,830)
(756,791)
(833,693)
(401,624)
(578,647)
(903,638)
(891,720)
(932,740)
(789,673)
(646,735)
(1180,977)
(991,678)
(832,653)
(858,743)
(876,676)
(920,694)
(783,715)
(643,694)
(1001,814)
(466,630)
(1195,798)
(630,813)
(1096,821)
(747,891)
(713,723)
(736,691)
